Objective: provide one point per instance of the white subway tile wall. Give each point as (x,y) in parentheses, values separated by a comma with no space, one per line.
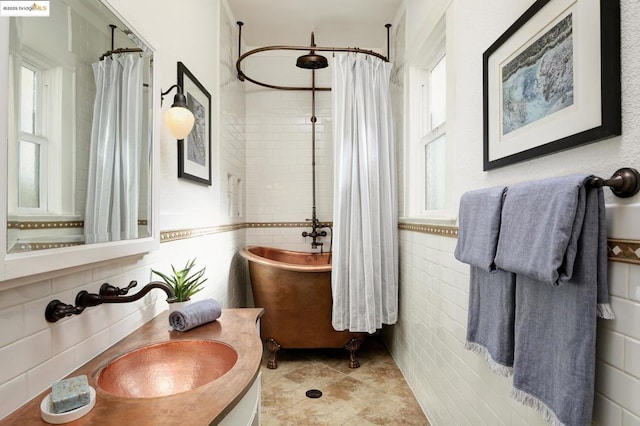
(279,168)
(454,386)
(285,238)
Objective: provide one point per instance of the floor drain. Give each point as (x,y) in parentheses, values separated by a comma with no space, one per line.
(314,393)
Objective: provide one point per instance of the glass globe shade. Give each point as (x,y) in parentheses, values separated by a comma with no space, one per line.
(179,121)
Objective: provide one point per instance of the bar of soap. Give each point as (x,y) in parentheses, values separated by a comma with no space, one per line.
(69,394)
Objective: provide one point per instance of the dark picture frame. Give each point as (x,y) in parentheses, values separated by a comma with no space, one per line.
(194,152)
(539,81)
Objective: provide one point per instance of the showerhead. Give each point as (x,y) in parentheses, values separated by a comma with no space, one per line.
(312,61)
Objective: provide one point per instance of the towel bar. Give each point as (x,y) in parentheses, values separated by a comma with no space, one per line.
(624,183)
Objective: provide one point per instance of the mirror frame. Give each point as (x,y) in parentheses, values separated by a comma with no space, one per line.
(51,261)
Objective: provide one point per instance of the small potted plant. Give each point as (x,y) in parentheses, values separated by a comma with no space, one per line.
(184,283)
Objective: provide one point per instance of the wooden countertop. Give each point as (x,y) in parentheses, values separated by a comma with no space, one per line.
(205,405)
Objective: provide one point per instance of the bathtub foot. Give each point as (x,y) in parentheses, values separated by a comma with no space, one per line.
(352,347)
(273,347)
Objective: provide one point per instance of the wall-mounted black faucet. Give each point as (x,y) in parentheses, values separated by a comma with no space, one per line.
(57,310)
(314,234)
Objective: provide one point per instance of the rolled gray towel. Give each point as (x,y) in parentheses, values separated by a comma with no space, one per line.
(195,314)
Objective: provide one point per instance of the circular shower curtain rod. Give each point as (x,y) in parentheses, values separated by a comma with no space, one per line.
(242,76)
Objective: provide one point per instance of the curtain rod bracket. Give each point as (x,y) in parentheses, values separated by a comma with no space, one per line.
(388,26)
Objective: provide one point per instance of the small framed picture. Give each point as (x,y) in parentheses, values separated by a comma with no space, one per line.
(552,81)
(194,152)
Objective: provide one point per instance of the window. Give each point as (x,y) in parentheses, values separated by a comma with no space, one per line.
(434,137)
(41,145)
(428,148)
(32,142)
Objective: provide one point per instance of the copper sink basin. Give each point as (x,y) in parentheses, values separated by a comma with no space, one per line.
(167,368)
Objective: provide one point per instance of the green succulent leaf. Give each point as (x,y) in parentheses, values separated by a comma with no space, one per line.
(184,283)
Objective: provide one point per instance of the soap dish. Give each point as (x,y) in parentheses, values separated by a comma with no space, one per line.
(68,416)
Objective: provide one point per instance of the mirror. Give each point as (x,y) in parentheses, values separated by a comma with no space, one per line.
(80,102)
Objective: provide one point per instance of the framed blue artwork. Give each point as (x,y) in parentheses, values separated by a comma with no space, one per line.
(552,81)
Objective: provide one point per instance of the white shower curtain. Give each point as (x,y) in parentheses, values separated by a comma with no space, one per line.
(365,241)
(111,211)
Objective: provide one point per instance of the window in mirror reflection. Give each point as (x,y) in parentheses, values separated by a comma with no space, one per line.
(32,146)
(29,175)
(28,96)
(38,150)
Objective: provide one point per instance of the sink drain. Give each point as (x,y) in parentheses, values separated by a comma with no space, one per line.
(313,393)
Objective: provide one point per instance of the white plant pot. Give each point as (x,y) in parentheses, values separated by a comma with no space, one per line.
(178,305)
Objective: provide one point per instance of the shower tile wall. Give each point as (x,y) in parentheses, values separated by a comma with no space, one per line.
(279,176)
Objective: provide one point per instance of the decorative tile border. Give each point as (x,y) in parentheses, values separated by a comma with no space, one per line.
(627,251)
(28,225)
(165,236)
(447,231)
(26,247)
(283,224)
(55,224)
(181,234)
(441,230)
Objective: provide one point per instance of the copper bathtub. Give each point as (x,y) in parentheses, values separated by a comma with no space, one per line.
(294,289)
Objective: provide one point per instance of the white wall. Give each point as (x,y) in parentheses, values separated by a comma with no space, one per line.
(34,353)
(453,385)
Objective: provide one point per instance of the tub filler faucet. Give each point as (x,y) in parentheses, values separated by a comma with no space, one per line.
(314,234)
(57,310)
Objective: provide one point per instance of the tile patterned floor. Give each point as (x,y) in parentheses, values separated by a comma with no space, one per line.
(374,394)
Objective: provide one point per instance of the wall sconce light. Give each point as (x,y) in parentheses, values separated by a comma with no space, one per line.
(178,118)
